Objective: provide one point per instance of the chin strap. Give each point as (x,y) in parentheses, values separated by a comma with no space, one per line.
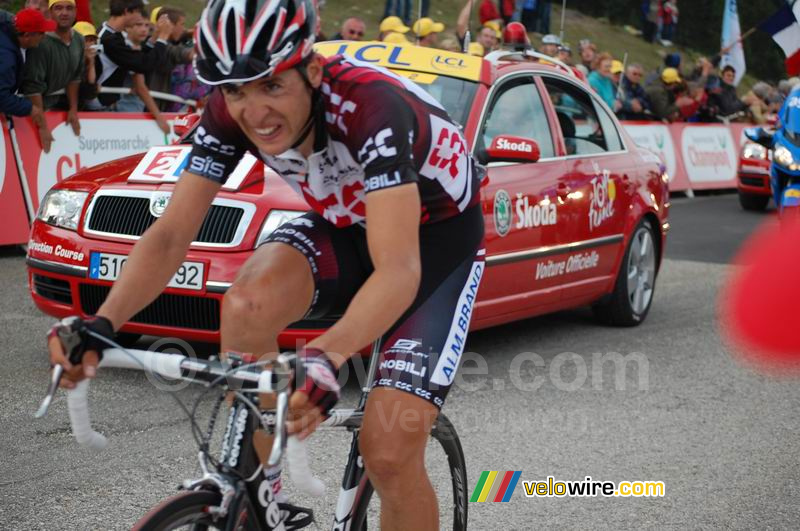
(316,108)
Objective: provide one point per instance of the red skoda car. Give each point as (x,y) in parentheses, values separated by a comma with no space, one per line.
(576,213)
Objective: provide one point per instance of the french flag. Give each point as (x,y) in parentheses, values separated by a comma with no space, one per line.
(785,30)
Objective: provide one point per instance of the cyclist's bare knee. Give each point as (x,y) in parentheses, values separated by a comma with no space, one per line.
(272,290)
(393,437)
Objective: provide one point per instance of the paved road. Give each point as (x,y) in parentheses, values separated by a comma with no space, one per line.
(722,438)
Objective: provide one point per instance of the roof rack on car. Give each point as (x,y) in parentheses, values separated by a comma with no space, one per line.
(522,55)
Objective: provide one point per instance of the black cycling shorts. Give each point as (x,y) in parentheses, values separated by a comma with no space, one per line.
(422,351)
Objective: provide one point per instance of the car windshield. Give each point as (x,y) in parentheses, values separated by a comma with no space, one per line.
(455,95)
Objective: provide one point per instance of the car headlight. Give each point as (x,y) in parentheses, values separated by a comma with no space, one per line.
(783,156)
(275,219)
(62,208)
(754,151)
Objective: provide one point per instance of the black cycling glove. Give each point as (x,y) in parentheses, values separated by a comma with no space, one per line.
(73,334)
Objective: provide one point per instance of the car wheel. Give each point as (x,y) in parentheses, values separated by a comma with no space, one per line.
(636,281)
(753,202)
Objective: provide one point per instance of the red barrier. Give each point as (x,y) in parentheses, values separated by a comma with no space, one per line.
(14,228)
(697,156)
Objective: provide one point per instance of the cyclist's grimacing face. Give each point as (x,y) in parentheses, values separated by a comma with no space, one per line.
(272,111)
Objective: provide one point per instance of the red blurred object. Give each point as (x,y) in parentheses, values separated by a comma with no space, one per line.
(516,37)
(760,310)
(83,12)
(30,20)
(488,11)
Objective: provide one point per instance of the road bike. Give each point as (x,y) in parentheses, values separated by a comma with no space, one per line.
(232,492)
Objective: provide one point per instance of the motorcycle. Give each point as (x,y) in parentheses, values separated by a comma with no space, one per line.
(784,142)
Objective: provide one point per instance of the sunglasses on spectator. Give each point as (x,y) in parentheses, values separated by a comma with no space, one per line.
(356,33)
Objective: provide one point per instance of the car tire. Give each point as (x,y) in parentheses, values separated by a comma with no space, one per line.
(756,203)
(633,291)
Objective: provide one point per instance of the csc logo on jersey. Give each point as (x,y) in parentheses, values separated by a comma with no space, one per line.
(376,147)
(212,143)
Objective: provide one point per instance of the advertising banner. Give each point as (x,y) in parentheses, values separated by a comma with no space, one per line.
(697,156)
(14,228)
(103,137)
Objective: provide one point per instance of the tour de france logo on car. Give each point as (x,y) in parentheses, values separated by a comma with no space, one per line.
(604,192)
(502,212)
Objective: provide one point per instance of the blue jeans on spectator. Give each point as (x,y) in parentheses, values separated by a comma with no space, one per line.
(543,10)
(405,10)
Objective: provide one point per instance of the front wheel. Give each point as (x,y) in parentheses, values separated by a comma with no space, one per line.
(186,510)
(636,281)
(444,461)
(752,202)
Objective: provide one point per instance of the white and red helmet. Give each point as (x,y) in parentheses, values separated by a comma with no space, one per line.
(237,41)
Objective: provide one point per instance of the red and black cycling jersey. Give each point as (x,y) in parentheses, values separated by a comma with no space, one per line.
(375,130)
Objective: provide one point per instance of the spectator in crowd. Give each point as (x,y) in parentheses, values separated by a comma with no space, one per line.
(392,25)
(353,29)
(758,101)
(588,52)
(723,96)
(616,72)
(40,5)
(140,98)
(398,8)
(600,80)
(88,87)
(703,68)
(56,65)
(488,35)
(394,37)
(672,60)
(662,95)
(550,44)
(691,101)
(450,44)
(186,85)
(635,105)
(565,54)
(543,17)
(427,32)
(667,20)
(179,52)
(117,58)
(17,33)
(650,19)
(785,86)
(528,14)
(487,10)
(508,10)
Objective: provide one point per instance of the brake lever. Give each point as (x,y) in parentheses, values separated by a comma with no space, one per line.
(55,379)
(281,411)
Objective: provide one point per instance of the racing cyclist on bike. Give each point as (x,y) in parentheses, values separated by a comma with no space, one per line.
(394,240)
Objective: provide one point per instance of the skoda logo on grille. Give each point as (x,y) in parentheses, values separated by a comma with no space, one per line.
(158,203)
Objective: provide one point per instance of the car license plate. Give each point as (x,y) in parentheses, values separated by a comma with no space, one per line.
(104,266)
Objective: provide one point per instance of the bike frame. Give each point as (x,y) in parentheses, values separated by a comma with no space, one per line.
(246,492)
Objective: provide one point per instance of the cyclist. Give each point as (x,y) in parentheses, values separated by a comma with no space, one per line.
(394,239)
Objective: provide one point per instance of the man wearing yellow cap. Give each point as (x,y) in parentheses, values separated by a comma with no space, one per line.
(392,25)
(55,65)
(427,31)
(662,95)
(488,35)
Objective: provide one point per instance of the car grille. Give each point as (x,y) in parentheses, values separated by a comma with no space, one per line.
(52,288)
(752,181)
(179,311)
(130,216)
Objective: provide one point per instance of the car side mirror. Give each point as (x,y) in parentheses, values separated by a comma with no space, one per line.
(185,123)
(759,135)
(507,148)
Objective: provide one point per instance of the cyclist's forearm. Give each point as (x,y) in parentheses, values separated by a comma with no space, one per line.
(379,303)
(152,262)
